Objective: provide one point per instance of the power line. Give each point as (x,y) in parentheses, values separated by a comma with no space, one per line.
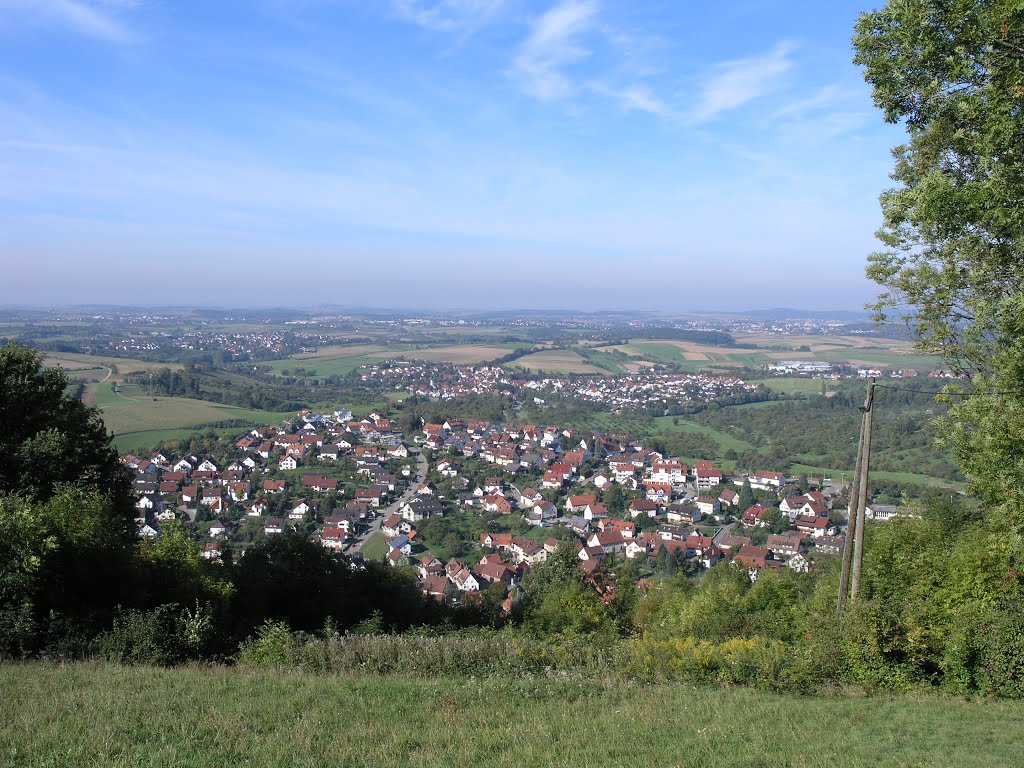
(956,394)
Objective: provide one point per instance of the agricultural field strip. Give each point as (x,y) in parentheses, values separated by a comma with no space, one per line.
(124,365)
(556,361)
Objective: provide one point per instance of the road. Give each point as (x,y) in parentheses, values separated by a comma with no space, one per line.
(391,509)
(725,530)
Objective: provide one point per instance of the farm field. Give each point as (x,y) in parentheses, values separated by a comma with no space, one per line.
(94,365)
(881,358)
(821,343)
(555,361)
(98,714)
(339,353)
(342,360)
(124,414)
(461,354)
(850,350)
(600,358)
(691,356)
(788,385)
(338,361)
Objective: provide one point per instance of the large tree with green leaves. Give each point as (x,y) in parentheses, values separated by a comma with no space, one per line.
(48,437)
(952,71)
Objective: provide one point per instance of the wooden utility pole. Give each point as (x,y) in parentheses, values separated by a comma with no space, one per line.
(851,527)
(858,544)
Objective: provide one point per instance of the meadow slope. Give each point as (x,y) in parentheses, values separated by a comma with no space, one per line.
(98,714)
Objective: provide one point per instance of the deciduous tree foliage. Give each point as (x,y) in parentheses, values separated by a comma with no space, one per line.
(49,438)
(953,72)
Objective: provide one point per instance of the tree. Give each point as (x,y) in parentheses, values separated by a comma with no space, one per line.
(615,500)
(954,73)
(746,499)
(953,268)
(50,438)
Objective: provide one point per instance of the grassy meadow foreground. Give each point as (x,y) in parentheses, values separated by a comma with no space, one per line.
(98,714)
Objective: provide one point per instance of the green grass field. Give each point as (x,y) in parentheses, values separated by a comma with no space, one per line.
(132,411)
(725,440)
(376,547)
(879,357)
(787,385)
(343,361)
(900,477)
(135,442)
(102,715)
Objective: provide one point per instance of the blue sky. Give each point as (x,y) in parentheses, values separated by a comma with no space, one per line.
(437,153)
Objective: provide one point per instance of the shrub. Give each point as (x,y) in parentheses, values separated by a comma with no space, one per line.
(273,646)
(144,637)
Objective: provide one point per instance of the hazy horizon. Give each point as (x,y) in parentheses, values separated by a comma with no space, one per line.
(434,154)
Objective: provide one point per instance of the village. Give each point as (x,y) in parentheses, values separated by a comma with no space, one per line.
(614,393)
(467,505)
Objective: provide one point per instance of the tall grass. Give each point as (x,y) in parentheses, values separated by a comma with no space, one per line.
(201,717)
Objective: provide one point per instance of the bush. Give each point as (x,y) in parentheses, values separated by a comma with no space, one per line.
(145,637)
(985,652)
(759,662)
(273,646)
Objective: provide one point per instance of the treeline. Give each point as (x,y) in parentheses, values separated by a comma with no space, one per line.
(76,581)
(253,390)
(415,411)
(711,338)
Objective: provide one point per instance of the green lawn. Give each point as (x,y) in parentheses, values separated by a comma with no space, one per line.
(135,442)
(376,547)
(902,477)
(101,715)
(789,384)
(133,411)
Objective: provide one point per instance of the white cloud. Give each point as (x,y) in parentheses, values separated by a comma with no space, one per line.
(552,45)
(448,15)
(91,18)
(635,98)
(742,80)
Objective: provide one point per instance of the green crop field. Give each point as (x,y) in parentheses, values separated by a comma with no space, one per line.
(787,385)
(881,358)
(96,714)
(338,361)
(662,352)
(608,363)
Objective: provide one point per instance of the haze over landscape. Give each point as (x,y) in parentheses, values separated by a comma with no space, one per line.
(573,154)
